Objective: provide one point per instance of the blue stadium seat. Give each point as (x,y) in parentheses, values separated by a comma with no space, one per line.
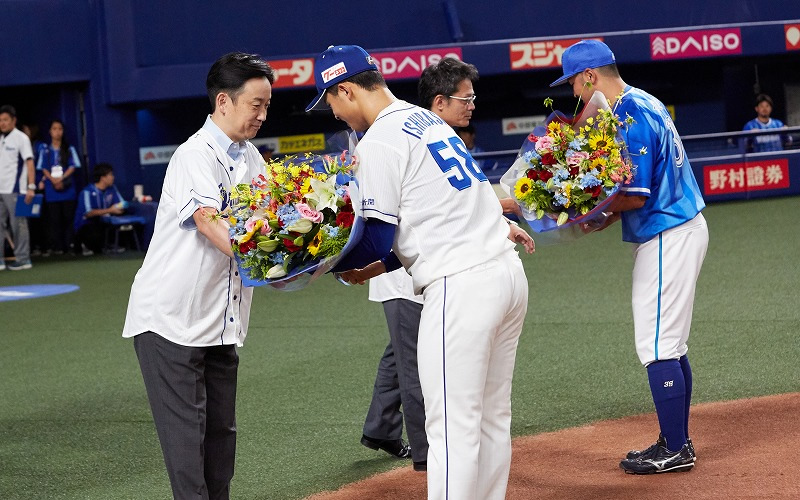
(120,223)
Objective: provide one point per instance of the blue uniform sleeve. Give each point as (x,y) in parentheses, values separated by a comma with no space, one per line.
(644,151)
(74,159)
(391,262)
(375,244)
(40,153)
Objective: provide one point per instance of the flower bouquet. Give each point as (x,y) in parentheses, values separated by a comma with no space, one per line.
(293,224)
(568,172)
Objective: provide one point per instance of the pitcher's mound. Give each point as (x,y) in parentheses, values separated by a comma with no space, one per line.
(746,449)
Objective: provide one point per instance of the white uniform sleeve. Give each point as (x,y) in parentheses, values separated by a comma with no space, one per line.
(194,184)
(25,150)
(380,174)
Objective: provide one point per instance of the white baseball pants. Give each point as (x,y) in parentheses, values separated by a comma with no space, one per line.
(469,330)
(665,272)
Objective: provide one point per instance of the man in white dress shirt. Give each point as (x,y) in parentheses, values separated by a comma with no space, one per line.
(188,310)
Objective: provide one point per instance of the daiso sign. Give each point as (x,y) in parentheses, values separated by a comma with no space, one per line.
(699,43)
(410,63)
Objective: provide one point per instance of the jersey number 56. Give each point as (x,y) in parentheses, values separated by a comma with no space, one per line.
(465,170)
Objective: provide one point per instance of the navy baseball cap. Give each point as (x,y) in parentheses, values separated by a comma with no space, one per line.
(586,54)
(336,64)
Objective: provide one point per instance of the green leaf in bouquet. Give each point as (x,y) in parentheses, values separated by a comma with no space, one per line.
(275,224)
(309,236)
(287,262)
(268,245)
(562,218)
(333,245)
(539,213)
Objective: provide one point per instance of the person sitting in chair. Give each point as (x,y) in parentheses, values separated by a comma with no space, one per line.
(95,201)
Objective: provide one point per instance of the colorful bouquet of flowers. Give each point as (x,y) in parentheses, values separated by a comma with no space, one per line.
(294,223)
(567,172)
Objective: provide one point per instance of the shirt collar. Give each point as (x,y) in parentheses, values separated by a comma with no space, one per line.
(234,149)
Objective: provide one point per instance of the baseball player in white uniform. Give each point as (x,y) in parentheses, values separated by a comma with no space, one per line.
(430,209)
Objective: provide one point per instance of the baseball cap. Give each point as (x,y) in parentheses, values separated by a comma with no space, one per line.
(586,54)
(335,64)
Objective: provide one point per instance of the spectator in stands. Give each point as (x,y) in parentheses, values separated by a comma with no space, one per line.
(14,146)
(99,199)
(57,161)
(763,121)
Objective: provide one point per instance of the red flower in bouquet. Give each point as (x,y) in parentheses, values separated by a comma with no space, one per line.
(345,219)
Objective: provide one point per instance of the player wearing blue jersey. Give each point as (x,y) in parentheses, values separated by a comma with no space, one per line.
(660,212)
(763,121)
(430,209)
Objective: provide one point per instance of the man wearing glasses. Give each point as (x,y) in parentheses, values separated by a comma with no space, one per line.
(446,89)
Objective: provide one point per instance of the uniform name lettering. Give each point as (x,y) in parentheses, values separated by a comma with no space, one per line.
(417,122)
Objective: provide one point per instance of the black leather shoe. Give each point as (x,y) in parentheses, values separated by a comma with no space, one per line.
(394,447)
(421,466)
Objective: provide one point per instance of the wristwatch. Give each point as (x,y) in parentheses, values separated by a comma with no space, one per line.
(32,187)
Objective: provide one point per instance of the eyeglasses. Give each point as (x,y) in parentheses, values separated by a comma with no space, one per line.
(465,100)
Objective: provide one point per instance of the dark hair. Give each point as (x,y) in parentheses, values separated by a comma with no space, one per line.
(33,129)
(368,80)
(764,97)
(101,170)
(63,153)
(7,108)
(609,70)
(230,72)
(443,78)
(468,128)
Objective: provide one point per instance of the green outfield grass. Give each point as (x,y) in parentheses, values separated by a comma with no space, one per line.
(75,423)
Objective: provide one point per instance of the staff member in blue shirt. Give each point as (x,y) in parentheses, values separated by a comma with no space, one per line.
(660,212)
(96,200)
(57,161)
(763,121)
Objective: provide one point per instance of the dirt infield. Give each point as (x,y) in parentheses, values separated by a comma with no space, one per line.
(747,449)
